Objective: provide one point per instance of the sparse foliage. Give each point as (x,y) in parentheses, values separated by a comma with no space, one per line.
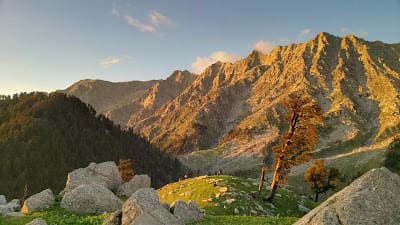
(392,159)
(295,145)
(125,169)
(321,179)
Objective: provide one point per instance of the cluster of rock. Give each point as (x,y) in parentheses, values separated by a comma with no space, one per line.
(91,190)
(9,208)
(144,207)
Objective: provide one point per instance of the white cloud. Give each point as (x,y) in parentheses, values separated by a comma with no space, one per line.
(107,63)
(202,62)
(157,19)
(305,32)
(138,24)
(264,46)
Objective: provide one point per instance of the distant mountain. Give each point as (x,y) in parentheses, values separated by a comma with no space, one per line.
(125,102)
(233,107)
(45,136)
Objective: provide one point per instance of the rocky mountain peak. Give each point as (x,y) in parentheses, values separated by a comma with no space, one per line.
(180,76)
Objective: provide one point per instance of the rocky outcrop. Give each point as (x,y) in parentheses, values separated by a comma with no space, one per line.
(138,181)
(187,212)
(144,207)
(90,199)
(105,173)
(10,207)
(38,201)
(37,221)
(372,199)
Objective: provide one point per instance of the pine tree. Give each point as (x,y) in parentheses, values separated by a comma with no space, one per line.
(295,145)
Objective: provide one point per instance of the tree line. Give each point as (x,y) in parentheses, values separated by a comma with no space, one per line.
(44,136)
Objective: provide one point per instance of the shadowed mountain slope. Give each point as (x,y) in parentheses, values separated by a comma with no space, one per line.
(45,136)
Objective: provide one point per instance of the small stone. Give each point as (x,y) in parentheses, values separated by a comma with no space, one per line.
(37,221)
(229,201)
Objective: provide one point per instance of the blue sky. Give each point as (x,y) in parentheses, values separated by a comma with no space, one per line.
(49,44)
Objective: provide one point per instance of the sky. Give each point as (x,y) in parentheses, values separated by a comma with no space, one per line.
(47,45)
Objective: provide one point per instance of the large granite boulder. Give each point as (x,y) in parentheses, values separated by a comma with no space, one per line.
(138,181)
(90,199)
(37,221)
(189,212)
(38,201)
(105,174)
(372,199)
(144,207)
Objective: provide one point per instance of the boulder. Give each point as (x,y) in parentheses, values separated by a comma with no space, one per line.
(105,174)
(14,205)
(373,198)
(113,219)
(89,199)
(144,207)
(188,212)
(3,200)
(38,201)
(138,181)
(37,221)
(4,209)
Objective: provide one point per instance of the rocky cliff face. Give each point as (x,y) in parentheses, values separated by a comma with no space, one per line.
(355,82)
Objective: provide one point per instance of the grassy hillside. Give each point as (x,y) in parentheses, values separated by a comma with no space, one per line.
(45,136)
(234,196)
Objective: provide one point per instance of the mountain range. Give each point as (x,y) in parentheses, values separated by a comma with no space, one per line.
(232,110)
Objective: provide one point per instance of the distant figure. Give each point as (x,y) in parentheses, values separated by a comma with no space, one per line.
(219,172)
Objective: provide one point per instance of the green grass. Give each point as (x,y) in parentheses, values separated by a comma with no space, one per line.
(246,220)
(237,200)
(55,216)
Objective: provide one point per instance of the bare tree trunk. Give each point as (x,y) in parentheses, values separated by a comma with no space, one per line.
(316,196)
(261,183)
(274,183)
(272,193)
